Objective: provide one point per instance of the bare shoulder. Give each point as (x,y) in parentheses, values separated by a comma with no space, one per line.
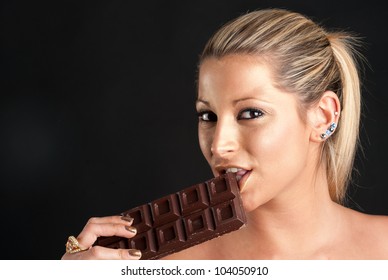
(376,224)
(380,223)
(369,233)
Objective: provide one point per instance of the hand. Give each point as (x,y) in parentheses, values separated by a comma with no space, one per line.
(105,226)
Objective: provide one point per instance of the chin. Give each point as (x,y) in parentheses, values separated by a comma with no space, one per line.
(249,203)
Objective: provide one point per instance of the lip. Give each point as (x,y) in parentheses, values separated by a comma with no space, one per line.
(221,169)
(242,181)
(244,173)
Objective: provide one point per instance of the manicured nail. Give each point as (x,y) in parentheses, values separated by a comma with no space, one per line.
(127,218)
(134,253)
(131,229)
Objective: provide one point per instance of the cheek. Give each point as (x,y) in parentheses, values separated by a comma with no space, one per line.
(278,147)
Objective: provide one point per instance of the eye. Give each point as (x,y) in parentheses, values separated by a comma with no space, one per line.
(207,116)
(251,113)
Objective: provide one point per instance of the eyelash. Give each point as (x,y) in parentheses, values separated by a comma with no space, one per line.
(201,115)
(257,114)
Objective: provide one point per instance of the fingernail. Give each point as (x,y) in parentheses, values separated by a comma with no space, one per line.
(134,253)
(127,218)
(131,229)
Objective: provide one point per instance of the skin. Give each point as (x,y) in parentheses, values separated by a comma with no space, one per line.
(105,226)
(285,192)
(247,122)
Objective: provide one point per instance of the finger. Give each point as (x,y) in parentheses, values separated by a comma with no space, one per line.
(92,231)
(121,220)
(102,253)
(111,220)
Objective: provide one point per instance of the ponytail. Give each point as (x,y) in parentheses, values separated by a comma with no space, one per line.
(342,149)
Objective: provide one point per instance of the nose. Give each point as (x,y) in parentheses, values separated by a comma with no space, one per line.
(225,139)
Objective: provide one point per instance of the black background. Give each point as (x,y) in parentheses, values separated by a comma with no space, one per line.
(97,108)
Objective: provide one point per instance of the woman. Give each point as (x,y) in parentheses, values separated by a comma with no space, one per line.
(279,104)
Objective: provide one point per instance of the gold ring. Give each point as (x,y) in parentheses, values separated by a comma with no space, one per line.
(72,245)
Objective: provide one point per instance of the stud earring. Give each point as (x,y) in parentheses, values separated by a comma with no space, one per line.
(335,113)
(329,131)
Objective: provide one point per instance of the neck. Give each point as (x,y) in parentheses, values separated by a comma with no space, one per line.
(294,227)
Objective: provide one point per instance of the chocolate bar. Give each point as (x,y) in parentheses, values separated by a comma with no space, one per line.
(183,219)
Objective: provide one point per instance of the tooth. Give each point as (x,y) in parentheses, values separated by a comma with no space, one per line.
(232,169)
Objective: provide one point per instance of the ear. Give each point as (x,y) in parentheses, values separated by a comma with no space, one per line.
(322,115)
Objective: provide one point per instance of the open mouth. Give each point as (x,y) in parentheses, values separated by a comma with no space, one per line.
(241,175)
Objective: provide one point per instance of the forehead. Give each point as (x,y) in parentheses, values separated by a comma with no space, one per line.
(235,73)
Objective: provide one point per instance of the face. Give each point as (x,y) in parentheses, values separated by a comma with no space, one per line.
(248,126)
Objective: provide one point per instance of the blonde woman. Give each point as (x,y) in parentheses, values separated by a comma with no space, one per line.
(279,104)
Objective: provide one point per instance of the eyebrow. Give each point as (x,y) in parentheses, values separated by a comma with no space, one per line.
(199,100)
(244,99)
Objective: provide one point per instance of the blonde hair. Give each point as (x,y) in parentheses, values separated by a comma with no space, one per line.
(306,60)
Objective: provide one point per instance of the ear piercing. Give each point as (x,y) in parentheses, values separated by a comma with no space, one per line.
(329,131)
